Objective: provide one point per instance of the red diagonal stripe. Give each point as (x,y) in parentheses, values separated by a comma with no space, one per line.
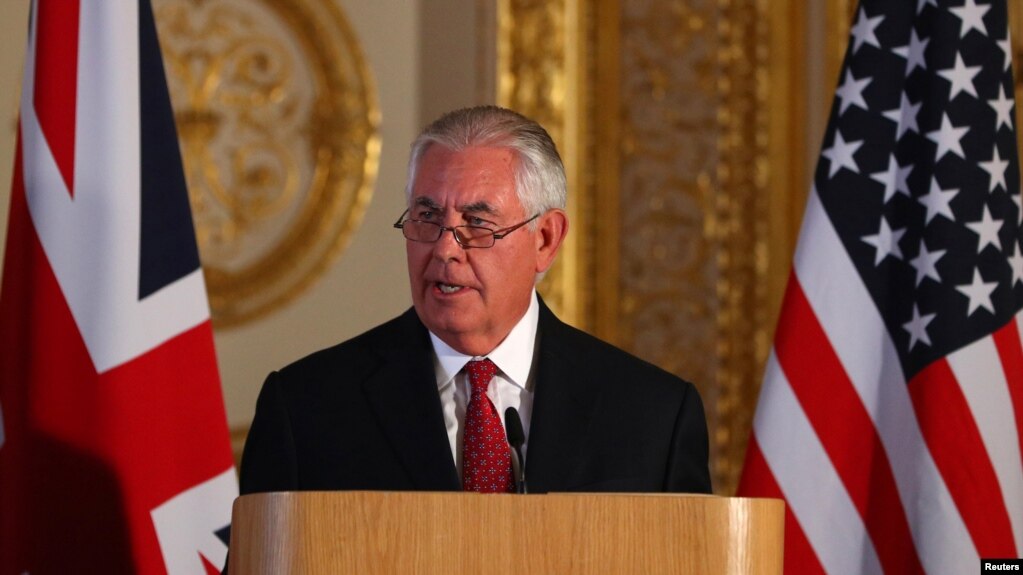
(955,443)
(758,481)
(56,80)
(209,567)
(846,430)
(1010,350)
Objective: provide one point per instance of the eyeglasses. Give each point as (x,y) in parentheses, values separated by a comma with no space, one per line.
(466,236)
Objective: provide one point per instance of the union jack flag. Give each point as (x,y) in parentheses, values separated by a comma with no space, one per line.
(114,455)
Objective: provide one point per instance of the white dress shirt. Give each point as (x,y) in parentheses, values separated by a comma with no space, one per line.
(512,386)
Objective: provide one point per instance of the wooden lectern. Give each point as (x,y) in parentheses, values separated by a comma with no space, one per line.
(453,533)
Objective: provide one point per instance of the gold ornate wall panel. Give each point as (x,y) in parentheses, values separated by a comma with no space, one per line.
(669,211)
(278,119)
(690,152)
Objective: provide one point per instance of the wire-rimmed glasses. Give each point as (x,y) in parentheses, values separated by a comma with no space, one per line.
(466,236)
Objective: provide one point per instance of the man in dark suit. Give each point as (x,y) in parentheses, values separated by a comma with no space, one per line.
(417,403)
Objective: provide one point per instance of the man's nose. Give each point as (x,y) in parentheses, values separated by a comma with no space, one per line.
(447,247)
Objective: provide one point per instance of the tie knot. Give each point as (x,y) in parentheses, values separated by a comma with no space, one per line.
(480,374)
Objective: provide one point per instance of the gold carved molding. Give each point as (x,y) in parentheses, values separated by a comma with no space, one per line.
(1016,33)
(686,166)
(278,121)
(538,74)
(547,69)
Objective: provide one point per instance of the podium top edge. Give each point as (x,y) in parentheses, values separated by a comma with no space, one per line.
(459,494)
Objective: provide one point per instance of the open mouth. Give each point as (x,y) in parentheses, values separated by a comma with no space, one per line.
(449,288)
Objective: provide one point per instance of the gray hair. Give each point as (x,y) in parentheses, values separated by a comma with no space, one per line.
(539,175)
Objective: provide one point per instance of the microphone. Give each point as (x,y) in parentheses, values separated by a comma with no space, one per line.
(513,427)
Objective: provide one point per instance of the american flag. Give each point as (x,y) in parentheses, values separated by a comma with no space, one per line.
(114,455)
(890,414)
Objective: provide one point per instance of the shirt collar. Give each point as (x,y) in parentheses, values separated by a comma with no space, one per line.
(513,356)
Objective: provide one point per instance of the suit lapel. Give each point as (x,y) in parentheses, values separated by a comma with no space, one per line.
(403,394)
(564,404)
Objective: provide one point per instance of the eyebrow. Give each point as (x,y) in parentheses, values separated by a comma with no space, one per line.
(474,207)
(427,202)
(478,207)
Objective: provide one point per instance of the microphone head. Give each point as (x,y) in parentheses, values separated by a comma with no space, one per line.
(513,427)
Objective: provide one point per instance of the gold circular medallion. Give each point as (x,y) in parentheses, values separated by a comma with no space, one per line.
(278,120)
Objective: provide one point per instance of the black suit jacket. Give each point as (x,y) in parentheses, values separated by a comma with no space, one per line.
(366,415)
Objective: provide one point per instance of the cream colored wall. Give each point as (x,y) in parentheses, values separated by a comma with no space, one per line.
(457,55)
(368,284)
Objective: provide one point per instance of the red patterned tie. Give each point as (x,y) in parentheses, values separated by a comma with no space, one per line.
(486,457)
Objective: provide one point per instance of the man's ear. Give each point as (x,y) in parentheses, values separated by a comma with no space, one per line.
(551,229)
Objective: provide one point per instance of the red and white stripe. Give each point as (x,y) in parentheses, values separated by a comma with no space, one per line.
(881,475)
